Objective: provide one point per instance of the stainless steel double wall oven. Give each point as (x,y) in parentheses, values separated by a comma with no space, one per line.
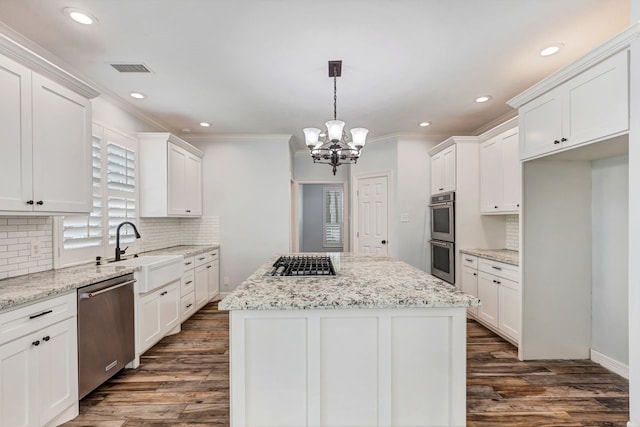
(442,209)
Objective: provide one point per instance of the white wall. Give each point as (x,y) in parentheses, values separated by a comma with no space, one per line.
(610,204)
(414,188)
(247,184)
(112,116)
(312,218)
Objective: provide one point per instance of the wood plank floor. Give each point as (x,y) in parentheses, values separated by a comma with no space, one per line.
(184,381)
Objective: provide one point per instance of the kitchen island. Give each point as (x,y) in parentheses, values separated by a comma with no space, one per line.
(379,344)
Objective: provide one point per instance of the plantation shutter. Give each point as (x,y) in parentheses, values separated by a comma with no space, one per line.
(121,191)
(333,205)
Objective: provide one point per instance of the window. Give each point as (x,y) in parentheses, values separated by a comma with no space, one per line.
(333,226)
(81,238)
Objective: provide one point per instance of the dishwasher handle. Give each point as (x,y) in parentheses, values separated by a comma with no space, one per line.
(88,295)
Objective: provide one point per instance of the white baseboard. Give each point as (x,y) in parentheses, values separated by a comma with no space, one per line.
(632,424)
(611,364)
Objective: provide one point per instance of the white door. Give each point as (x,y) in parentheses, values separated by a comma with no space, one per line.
(202,286)
(19,375)
(470,285)
(193,182)
(490,175)
(149,320)
(541,124)
(372,216)
(170,307)
(511,172)
(437,174)
(488,294)
(449,169)
(509,308)
(177,198)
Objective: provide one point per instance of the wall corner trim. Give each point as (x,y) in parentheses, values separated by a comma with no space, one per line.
(610,364)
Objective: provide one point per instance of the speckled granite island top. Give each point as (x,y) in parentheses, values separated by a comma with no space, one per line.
(501,255)
(363,281)
(30,288)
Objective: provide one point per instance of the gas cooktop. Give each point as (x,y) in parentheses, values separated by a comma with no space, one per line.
(303,265)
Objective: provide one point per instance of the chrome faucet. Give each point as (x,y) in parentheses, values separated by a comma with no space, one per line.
(118,251)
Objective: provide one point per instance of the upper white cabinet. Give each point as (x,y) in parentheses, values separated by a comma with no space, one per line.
(45,155)
(500,174)
(443,170)
(588,107)
(170,176)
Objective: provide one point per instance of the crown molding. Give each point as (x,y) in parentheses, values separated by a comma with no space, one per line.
(20,49)
(504,122)
(497,130)
(169,137)
(614,45)
(453,141)
(237,137)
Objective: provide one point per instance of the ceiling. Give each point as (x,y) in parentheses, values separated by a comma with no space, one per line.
(260,66)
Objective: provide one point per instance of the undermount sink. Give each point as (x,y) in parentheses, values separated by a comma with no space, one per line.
(155,270)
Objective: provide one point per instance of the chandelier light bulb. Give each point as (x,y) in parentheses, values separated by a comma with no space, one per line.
(334,128)
(359,137)
(311,136)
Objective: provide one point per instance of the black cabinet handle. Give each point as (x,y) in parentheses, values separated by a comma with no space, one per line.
(564,140)
(187,263)
(30,202)
(189,282)
(188,211)
(164,293)
(440,189)
(33,316)
(189,305)
(209,266)
(200,259)
(47,338)
(496,268)
(556,142)
(35,343)
(40,202)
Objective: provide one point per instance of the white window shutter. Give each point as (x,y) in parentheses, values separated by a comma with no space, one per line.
(333,217)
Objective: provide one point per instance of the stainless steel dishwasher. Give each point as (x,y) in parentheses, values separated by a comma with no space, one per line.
(105,331)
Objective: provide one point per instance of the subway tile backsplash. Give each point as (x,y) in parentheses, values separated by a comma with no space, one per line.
(513,232)
(158,233)
(16,237)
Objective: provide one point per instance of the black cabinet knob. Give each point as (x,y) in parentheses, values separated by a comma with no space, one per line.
(495,207)
(556,142)
(30,202)
(384,242)
(475,274)
(164,293)
(564,140)
(40,202)
(47,338)
(36,343)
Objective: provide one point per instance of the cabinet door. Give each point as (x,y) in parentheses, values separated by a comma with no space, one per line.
(449,169)
(149,323)
(541,124)
(488,294)
(61,148)
(170,307)
(509,308)
(597,101)
(213,279)
(58,368)
(470,285)
(19,383)
(202,286)
(193,185)
(491,175)
(177,196)
(437,170)
(15,135)
(511,173)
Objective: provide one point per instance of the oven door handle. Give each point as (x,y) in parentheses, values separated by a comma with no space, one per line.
(87,295)
(441,244)
(441,205)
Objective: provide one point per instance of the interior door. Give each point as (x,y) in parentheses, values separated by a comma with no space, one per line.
(372,215)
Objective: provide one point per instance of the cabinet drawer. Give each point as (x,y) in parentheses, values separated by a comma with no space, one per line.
(201,259)
(500,269)
(187,284)
(213,255)
(469,260)
(189,263)
(187,306)
(25,320)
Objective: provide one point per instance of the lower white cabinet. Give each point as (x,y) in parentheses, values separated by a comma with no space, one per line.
(202,286)
(39,370)
(497,286)
(200,282)
(158,314)
(213,275)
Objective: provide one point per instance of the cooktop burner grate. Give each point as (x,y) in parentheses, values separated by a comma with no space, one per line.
(303,265)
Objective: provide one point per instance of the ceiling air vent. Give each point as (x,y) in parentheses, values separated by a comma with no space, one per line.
(131,68)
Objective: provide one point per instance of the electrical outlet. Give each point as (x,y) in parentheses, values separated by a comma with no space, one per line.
(35,249)
(404,217)
(225,281)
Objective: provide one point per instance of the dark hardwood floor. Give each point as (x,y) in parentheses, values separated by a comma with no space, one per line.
(183,381)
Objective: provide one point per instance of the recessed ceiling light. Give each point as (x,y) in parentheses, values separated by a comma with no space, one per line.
(205,124)
(137,95)
(425,124)
(483,98)
(186,130)
(79,16)
(551,50)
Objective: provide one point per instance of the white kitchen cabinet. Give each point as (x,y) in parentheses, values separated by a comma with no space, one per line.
(39,369)
(213,279)
(202,286)
(45,156)
(488,294)
(470,284)
(509,308)
(170,176)
(500,175)
(443,170)
(158,314)
(591,106)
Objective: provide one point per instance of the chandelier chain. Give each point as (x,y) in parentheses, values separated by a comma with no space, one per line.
(335,97)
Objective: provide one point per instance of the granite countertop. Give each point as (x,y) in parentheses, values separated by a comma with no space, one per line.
(501,255)
(30,288)
(363,281)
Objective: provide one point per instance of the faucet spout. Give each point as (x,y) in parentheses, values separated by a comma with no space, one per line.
(135,230)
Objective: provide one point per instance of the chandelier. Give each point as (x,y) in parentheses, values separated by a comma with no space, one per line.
(335,147)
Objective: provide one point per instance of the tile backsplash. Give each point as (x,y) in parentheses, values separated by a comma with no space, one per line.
(16,237)
(158,233)
(513,232)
